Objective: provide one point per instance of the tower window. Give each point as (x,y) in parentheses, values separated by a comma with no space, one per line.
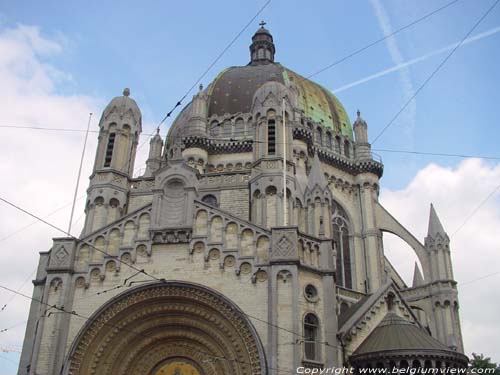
(311,335)
(271,137)
(109,150)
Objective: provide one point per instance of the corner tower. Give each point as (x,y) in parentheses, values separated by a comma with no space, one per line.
(119,130)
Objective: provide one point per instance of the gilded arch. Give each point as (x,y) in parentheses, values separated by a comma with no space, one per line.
(137,331)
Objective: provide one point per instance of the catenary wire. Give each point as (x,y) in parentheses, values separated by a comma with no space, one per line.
(139,271)
(116,258)
(61,309)
(397,31)
(435,71)
(179,102)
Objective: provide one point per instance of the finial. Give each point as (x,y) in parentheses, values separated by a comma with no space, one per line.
(262,24)
(359,113)
(158,130)
(126,91)
(201,87)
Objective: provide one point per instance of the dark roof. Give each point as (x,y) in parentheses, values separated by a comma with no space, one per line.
(233,91)
(396,333)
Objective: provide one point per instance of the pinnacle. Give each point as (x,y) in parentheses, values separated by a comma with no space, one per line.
(435,225)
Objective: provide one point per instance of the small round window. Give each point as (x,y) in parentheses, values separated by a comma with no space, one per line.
(311,293)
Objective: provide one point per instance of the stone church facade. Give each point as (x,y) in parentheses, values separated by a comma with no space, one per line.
(194,269)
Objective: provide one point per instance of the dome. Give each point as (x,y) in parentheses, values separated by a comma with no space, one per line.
(122,106)
(395,337)
(233,91)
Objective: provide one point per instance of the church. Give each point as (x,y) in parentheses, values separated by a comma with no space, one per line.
(251,245)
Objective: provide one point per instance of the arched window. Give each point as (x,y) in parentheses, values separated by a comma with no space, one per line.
(210,199)
(319,136)
(214,129)
(340,234)
(338,144)
(109,150)
(271,137)
(347,152)
(329,142)
(227,128)
(311,337)
(239,128)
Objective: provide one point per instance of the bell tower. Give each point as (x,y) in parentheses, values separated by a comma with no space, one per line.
(119,130)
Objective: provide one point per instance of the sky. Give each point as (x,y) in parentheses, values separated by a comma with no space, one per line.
(59,61)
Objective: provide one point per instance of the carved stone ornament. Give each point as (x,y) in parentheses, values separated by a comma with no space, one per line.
(140,330)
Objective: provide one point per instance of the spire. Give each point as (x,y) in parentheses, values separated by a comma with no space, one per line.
(435,226)
(262,48)
(418,279)
(316,176)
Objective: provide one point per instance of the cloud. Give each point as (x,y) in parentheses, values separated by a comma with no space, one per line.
(39,168)
(456,193)
(409,116)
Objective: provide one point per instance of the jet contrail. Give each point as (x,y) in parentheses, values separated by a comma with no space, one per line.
(417,60)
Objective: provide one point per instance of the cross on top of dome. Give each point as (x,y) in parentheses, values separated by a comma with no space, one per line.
(262,48)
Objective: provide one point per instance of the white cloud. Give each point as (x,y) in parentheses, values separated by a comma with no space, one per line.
(38,168)
(456,192)
(409,116)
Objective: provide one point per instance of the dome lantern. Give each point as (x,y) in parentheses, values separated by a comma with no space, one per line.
(262,48)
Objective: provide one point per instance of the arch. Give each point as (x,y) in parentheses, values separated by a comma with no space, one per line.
(387,223)
(210,199)
(161,321)
(347,149)
(341,231)
(311,337)
(397,251)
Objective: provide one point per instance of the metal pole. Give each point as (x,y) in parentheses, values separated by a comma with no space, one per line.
(79,174)
(285,203)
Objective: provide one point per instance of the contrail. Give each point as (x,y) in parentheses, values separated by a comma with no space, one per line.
(397,58)
(405,64)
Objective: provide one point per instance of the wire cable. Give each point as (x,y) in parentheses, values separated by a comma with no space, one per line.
(114,257)
(397,31)
(435,71)
(61,309)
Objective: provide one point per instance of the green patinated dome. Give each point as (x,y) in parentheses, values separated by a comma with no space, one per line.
(233,90)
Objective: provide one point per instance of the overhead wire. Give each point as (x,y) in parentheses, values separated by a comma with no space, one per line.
(385,37)
(435,71)
(61,309)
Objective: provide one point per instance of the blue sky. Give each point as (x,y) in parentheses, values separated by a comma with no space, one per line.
(86,53)
(158,50)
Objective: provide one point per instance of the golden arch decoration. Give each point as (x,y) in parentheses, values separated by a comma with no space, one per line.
(145,330)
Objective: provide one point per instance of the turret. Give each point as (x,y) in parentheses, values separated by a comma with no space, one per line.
(120,127)
(362,147)
(119,130)
(155,150)
(262,48)
(196,128)
(437,243)
(443,289)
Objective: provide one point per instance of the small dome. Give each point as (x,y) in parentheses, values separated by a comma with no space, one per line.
(121,105)
(395,336)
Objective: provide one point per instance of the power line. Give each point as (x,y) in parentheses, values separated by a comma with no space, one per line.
(435,71)
(139,271)
(358,51)
(61,309)
(437,154)
(475,210)
(114,257)
(179,102)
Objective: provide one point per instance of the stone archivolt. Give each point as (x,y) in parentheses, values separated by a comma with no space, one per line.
(138,330)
